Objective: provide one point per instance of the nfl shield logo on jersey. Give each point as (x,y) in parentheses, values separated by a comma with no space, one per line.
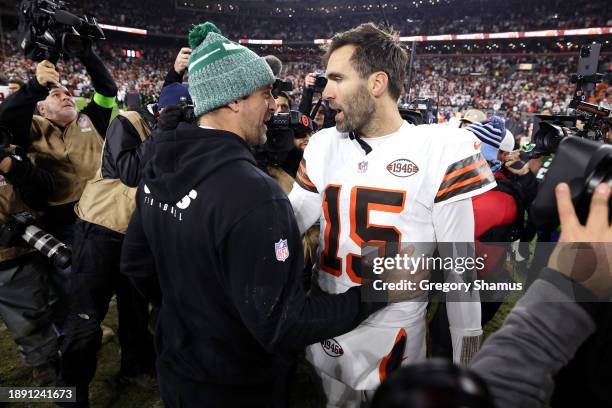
(362,167)
(282,250)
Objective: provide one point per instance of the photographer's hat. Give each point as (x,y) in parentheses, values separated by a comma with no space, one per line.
(172,94)
(221,71)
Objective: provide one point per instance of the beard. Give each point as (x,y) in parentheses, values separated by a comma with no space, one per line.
(357,112)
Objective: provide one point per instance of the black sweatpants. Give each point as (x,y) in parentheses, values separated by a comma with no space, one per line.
(95,277)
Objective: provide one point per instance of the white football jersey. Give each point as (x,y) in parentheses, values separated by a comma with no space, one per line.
(396,193)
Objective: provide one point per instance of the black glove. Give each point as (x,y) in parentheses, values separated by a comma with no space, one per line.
(171,117)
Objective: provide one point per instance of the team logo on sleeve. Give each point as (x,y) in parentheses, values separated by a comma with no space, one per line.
(282,250)
(402,168)
(84,124)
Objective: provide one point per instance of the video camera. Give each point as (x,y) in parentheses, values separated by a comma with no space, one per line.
(48,30)
(281,86)
(582,159)
(20,225)
(282,129)
(597,120)
(418,112)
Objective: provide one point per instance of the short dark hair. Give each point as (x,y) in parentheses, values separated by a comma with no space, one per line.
(375,50)
(286,96)
(15,81)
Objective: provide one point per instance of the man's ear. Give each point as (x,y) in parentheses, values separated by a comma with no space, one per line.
(40,107)
(234,106)
(379,83)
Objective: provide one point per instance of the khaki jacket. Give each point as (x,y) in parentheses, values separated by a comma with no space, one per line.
(72,155)
(109,202)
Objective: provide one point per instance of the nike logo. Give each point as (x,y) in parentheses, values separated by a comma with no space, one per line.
(231,46)
(203,57)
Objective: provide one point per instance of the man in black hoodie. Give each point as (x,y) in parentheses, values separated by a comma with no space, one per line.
(222,238)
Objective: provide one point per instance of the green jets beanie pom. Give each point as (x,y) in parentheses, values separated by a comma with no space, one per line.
(198,33)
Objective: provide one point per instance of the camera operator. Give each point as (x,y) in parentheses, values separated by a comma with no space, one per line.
(63,141)
(324,116)
(23,271)
(283,102)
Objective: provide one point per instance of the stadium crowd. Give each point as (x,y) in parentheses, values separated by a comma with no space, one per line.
(301,22)
(455,82)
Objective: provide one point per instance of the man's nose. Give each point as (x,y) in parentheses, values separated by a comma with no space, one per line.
(329,92)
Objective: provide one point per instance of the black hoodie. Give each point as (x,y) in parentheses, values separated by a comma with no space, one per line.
(223,239)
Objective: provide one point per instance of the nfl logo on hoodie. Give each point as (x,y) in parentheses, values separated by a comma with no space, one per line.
(282,250)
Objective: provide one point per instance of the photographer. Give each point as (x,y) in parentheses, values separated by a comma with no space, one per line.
(23,271)
(313,86)
(62,141)
(104,211)
(283,102)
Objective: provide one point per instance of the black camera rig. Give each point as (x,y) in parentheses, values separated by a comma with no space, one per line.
(596,120)
(47,30)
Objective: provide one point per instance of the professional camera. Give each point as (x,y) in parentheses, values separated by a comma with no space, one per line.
(596,119)
(581,163)
(282,129)
(281,86)
(47,30)
(320,82)
(418,112)
(20,225)
(187,108)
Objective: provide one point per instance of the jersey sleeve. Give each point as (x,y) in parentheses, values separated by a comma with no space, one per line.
(305,196)
(463,170)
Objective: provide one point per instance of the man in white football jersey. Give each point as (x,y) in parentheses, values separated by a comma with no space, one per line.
(376,179)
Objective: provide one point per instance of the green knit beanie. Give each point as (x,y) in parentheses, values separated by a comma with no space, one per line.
(221,71)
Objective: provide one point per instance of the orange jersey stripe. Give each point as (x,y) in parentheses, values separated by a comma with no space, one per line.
(305,181)
(464,170)
(455,186)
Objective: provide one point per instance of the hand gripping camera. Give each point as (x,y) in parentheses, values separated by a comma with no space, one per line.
(20,225)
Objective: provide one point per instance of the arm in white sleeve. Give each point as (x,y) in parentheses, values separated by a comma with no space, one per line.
(454,222)
(306,206)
